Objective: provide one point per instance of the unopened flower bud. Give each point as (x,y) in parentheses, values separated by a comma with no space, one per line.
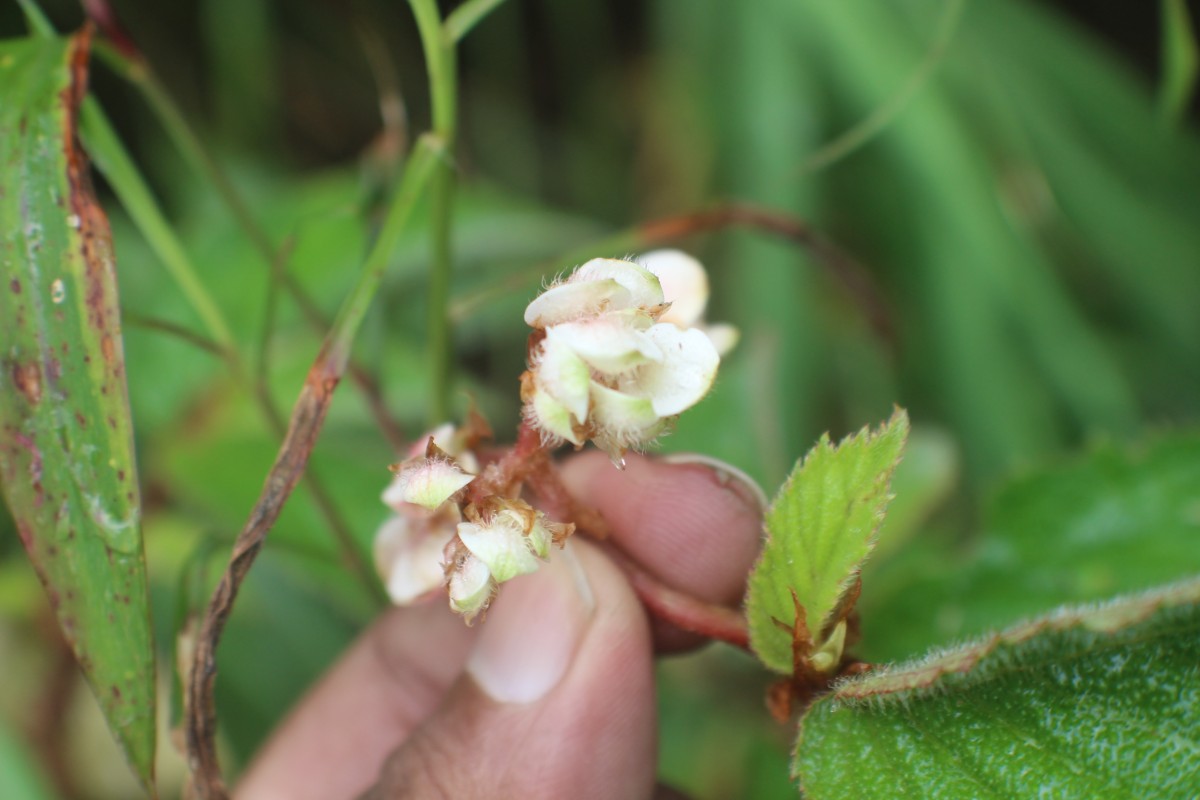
(426,482)
(470,587)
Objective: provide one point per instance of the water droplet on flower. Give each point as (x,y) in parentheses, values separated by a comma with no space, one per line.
(57,291)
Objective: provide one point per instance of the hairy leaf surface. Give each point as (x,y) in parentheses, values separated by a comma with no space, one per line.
(1095,701)
(820,529)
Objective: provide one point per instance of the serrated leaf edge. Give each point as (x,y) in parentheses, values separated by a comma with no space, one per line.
(825,446)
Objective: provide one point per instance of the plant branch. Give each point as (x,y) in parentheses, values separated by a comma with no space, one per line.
(174,329)
(680,609)
(875,122)
(308,417)
(440,55)
(462,19)
(843,268)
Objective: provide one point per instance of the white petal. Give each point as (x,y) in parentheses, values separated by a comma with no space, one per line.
(563,374)
(568,301)
(642,285)
(471,588)
(501,545)
(409,558)
(611,344)
(551,416)
(684,285)
(685,374)
(443,436)
(427,482)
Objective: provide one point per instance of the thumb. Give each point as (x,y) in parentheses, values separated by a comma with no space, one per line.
(557,699)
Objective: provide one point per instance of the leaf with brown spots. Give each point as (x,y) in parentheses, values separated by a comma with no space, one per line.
(66,440)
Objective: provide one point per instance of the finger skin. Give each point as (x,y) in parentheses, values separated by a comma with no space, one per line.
(691,526)
(688,526)
(337,739)
(592,737)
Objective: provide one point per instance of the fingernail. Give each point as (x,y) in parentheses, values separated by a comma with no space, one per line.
(532,631)
(727,475)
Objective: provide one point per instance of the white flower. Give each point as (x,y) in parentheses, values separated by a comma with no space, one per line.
(409,546)
(685,284)
(613,365)
(408,553)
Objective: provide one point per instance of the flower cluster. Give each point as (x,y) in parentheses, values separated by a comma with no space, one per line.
(620,349)
(430,542)
(618,358)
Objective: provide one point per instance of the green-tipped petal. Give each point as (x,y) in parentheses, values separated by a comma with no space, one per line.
(501,545)
(563,374)
(426,482)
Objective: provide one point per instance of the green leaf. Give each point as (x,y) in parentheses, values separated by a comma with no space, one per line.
(66,444)
(1098,701)
(820,530)
(1120,519)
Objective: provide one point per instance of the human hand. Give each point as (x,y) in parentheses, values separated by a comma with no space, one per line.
(552,696)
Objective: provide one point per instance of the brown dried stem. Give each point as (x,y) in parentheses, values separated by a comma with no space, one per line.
(308,417)
(843,268)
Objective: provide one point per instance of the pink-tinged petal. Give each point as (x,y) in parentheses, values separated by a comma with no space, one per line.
(643,287)
(685,374)
(610,344)
(575,300)
(471,588)
(426,482)
(563,374)
(450,440)
(408,555)
(684,285)
(500,544)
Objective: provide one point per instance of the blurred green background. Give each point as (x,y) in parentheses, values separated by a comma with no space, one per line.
(1021,181)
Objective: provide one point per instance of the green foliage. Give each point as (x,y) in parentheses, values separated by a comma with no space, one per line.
(1118,520)
(1099,701)
(1013,191)
(1180,59)
(820,529)
(18,777)
(66,438)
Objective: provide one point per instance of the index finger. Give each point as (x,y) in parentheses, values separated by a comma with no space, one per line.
(692,522)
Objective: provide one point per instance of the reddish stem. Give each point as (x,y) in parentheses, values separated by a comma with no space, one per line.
(681,609)
(529,461)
